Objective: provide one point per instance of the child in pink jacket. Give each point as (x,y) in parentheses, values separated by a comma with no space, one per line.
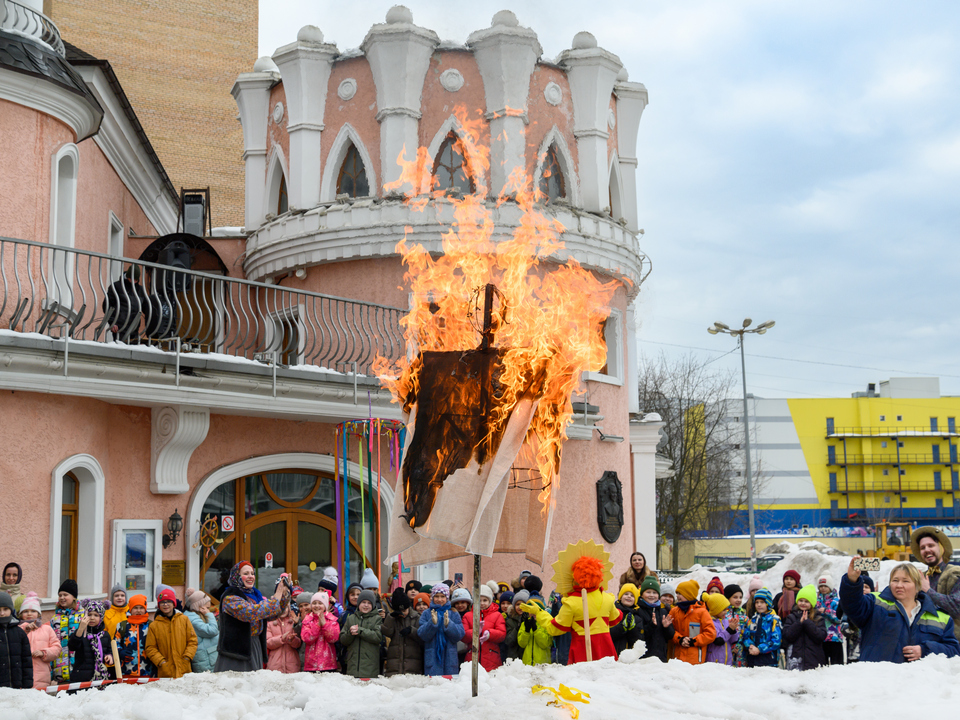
(282,644)
(320,632)
(44,643)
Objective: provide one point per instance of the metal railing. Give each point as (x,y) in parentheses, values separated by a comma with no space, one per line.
(891,459)
(892,486)
(91,296)
(861,516)
(890,431)
(27,21)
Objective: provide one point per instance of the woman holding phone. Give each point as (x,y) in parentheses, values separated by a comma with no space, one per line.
(899,624)
(244,612)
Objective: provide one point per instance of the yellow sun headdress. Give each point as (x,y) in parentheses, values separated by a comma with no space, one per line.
(582,565)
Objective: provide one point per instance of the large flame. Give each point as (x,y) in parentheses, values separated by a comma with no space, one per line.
(548,321)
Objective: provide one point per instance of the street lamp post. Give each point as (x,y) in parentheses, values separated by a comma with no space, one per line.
(719,327)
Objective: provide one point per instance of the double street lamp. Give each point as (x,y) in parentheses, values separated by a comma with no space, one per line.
(719,327)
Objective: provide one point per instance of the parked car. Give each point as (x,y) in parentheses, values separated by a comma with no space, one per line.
(765,562)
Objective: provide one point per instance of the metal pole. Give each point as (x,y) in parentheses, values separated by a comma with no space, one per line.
(475,664)
(746,447)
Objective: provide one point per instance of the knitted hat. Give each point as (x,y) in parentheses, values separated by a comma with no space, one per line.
(440,589)
(808,593)
(115,589)
(533,585)
(421,596)
(196,599)
(448,583)
(668,590)
(628,588)
(507,595)
(6,601)
(31,602)
(688,589)
(649,583)
(492,584)
(520,596)
(755,584)
(330,574)
(824,581)
(715,583)
(869,581)
(538,602)
(399,600)
(716,604)
(140,600)
(486,592)
(167,594)
(413,585)
(792,574)
(328,585)
(369,595)
(91,604)
(463,595)
(504,587)
(369,580)
(161,587)
(730,590)
(321,597)
(69,586)
(766,596)
(304,598)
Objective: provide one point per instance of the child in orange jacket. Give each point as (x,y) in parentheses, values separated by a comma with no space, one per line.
(689,641)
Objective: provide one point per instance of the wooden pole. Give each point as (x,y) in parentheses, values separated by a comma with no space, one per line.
(586,624)
(118,671)
(475,665)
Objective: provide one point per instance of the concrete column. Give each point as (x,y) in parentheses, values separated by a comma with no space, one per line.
(506,56)
(644,438)
(592,72)
(399,56)
(252,94)
(631,100)
(305,68)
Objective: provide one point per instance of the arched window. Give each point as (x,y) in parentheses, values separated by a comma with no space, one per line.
(353,176)
(451,169)
(282,203)
(552,184)
(68,526)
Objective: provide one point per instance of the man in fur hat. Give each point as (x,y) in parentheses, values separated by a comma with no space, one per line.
(940,583)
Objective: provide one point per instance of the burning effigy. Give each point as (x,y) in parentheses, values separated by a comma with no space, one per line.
(501,328)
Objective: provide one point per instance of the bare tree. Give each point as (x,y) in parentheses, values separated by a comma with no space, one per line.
(704,493)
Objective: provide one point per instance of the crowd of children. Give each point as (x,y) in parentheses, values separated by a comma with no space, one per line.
(417,629)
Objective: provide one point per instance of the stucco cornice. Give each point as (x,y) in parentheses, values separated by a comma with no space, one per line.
(76,111)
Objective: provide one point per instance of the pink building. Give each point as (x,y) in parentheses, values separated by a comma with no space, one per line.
(207,383)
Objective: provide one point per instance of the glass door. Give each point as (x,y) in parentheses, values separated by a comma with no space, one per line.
(268,554)
(314,554)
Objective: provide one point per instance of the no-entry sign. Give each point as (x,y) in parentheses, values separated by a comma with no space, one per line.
(268,560)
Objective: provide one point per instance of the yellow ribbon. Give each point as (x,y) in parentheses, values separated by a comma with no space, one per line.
(562,694)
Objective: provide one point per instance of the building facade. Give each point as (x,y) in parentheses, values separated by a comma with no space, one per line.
(167,441)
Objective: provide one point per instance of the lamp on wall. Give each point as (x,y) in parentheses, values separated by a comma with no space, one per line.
(174,526)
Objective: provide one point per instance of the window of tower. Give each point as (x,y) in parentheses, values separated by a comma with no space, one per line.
(451,169)
(353,176)
(552,184)
(282,204)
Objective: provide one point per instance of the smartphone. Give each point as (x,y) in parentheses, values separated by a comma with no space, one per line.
(694,630)
(457,578)
(866,564)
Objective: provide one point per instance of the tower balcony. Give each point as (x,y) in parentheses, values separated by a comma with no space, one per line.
(18,18)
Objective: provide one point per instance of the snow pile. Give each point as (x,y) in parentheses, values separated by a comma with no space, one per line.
(617,689)
(811,559)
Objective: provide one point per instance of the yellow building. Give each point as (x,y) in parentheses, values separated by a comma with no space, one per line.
(888,453)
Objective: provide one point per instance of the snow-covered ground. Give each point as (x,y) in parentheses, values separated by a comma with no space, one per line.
(617,689)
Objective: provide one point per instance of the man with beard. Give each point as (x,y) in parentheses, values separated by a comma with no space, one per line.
(940,583)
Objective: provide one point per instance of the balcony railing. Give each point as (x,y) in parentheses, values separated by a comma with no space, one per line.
(22,20)
(891,486)
(94,297)
(891,431)
(892,459)
(860,516)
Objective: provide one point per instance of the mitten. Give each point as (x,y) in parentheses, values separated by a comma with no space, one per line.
(405,632)
(629,622)
(530,624)
(718,642)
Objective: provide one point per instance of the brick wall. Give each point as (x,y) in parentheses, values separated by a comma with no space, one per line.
(177,61)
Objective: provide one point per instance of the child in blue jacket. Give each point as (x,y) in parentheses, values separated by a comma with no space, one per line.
(440,629)
(762,638)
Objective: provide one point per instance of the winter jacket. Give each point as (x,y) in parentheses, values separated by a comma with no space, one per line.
(491,621)
(44,639)
(829,606)
(682,619)
(536,643)
(626,632)
(764,632)
(804,641)
(654,635)
(16,664)
(739,651)
(321,651)
(721,649)
(64,623)
(207,630)
(945,593)
(886,629)
(89,655)
(171,645)
(243,622)
(440,653)
(362,651)
(603,613)
(132,647)
(113,617)
(282,655)
(511,645)
(405,651)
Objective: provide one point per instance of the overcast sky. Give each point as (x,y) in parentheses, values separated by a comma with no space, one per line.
(799,161)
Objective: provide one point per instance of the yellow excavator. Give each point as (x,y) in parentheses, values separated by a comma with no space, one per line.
(893,541)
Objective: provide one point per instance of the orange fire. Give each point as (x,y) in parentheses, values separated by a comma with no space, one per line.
(550,313)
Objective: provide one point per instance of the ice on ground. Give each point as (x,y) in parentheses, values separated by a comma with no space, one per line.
(616,689)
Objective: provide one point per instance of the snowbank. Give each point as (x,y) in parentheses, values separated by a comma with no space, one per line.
(617,689)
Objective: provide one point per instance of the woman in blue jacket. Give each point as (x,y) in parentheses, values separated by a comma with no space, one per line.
(900,624)
(440,630)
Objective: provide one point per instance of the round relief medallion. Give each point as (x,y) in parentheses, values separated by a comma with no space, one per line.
(278,112)
(347,89)
(451,80)
(553,94)
(611,119)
